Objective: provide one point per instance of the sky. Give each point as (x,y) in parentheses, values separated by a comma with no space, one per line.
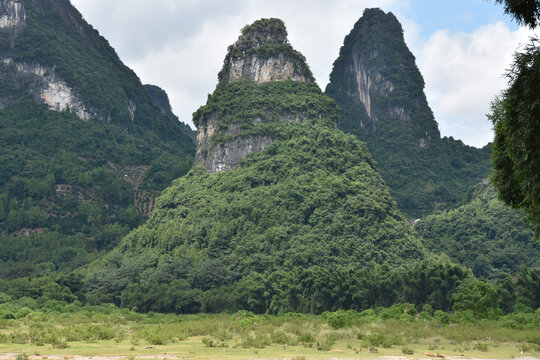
(462,47)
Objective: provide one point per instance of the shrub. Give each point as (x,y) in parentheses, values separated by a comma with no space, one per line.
(442,317)
(22,356)
(407,351)
(481,346)
(340,318)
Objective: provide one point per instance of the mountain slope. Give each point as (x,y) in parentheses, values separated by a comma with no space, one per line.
(484,235)
(85,150)
(379,89)
(277,188)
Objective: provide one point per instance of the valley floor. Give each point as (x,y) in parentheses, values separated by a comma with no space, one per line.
(91,334)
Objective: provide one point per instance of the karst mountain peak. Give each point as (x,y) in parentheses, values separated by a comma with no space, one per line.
(380,90)
(263,53)
(264,81)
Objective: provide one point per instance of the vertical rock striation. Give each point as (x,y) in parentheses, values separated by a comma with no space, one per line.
(381,95)
(376,70)
(12,13)
(262,55)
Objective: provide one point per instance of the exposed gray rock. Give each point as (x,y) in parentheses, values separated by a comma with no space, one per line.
(12,14)
(51,90)
(261,54)
(263,70)
(227,155)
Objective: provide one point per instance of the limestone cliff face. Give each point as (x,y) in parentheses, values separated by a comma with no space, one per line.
(12,14)
(47,88)
(376,69)
(262,54)
(263,70)
(369,83)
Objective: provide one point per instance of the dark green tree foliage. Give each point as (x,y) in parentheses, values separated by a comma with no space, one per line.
(516,149)
(524,11)
(485,235)
(46,152)
(161,100)
(478,297)
(241,101)
(43,148)
(422,170)
(312,198)
(162,283)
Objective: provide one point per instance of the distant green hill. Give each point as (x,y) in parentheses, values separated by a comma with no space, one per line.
(379,89)
(85,150)
(278,189)
(484,235)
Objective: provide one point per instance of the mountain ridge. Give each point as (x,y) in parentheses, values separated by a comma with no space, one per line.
(310,199)
(85,149)
(381,95)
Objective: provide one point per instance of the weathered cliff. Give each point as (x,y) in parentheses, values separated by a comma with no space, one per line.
(12,14)
(381,95)
(45,87)
(261,56)
(376,70)
(262,53)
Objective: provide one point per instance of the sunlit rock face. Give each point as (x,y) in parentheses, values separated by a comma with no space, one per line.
(48,88)
(261,54)
(376,70)
(12,14)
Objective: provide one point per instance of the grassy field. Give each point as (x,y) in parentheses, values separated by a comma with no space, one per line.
(247,336)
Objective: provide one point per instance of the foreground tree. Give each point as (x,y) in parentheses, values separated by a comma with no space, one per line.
(516,119)
(524,11)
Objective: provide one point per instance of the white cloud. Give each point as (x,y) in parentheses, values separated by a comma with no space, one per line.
(463,73)
(180,45)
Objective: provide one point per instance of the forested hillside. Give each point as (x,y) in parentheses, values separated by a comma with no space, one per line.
(85,150)
(311,198)
(485,235)
(106,199)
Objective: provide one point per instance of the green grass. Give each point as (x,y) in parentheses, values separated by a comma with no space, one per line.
(247,336)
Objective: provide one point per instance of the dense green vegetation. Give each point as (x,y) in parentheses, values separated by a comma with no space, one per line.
(485,235)
(70,189)
(161,100)
(57,183)
(516,119)
(53,328)
(423,171)
(306,226)
(310,199)
(149,285)
(242,101)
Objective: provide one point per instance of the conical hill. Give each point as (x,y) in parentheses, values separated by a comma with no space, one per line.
(310,198)
(380,91)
